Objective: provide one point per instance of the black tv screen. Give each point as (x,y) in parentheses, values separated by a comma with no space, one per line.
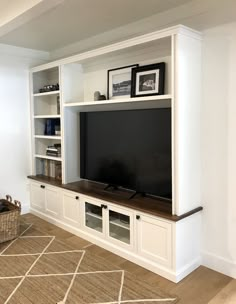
(130,149)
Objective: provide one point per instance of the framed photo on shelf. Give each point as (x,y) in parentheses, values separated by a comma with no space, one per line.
(148,80)
(119,82)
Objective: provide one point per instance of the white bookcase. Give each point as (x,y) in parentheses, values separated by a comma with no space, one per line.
(79,76)
(45,106)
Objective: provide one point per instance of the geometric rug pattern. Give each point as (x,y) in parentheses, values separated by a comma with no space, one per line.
(36,268)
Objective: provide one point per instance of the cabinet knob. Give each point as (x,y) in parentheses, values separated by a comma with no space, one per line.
(76,197)
(138,217)
(42,186)
(104,206)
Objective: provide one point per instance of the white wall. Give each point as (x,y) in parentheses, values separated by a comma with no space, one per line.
(219,149)
(15,120)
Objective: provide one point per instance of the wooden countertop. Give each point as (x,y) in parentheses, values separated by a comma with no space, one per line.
(154,206)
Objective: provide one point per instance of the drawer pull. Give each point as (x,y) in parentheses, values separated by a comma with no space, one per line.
(42,186)
(76,197)
(138,217)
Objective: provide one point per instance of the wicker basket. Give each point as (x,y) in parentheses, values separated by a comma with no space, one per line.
(9,220)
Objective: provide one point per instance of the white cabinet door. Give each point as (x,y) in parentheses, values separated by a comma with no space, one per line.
(154,239)
(120,227)
(52,201)
(37,196)
(71,208)
(93,216)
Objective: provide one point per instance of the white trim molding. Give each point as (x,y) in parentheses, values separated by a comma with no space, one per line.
(219,264)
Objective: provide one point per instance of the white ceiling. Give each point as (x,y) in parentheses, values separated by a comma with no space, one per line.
(10,9)
(74,20)
(66,27)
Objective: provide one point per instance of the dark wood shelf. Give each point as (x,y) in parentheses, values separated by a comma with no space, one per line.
(46,179)
(154,206)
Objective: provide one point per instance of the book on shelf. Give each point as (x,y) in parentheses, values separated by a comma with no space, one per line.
(52,168)
(52,125)
(46,167)
(54,150)
(58,172)
(54,154)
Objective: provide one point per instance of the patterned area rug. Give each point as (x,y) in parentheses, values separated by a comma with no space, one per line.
(38,269)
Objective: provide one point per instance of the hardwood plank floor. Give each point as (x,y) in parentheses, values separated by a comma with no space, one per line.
(203,286)
(227,295)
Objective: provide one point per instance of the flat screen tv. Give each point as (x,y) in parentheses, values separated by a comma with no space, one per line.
(130,149)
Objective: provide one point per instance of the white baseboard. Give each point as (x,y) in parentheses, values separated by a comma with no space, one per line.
(219,264)
(186,270)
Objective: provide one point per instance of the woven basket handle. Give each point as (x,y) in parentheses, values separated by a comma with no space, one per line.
(18,204)
(9,198)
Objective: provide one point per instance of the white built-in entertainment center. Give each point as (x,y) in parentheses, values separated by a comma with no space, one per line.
(162,237)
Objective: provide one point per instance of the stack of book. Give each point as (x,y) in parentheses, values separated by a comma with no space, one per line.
(52,169)
(54,150)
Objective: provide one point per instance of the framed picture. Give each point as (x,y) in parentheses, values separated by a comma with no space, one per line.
(119,82)
(148,80)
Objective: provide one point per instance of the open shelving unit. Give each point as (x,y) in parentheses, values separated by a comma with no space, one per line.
(81,75)
(46,108)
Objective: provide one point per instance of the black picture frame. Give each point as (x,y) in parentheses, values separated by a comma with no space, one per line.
(148,80)
(118,72)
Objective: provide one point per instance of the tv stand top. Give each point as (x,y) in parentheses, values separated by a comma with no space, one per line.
(154,206)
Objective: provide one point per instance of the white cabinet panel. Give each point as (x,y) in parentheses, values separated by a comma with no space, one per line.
(52,201)
(37,196)
(154,239)
(71,208)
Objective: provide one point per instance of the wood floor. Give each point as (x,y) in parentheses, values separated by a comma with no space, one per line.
(203,286)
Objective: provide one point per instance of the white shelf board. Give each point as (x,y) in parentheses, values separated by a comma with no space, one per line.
(46,93)
(119,223)
(47,116)
(119,101)
(47,157)
(94,215)
(47,137)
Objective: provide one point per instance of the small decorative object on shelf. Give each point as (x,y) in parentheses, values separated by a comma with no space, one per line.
(98,96)
(148,80)
(119,82)
(49,88)
(102,97)
(57,130)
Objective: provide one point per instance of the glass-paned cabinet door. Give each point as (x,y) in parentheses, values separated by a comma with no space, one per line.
(93,216)
(120,226)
